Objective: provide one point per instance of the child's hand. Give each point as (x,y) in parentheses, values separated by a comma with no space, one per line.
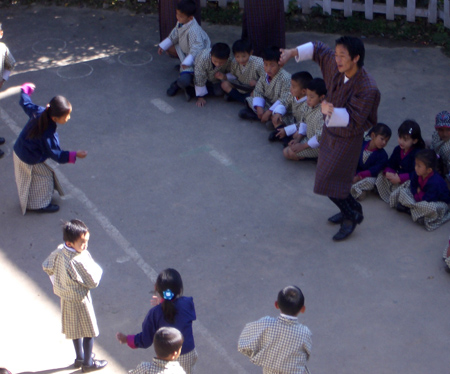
(276,120)
(297,136)
(220,76)
(81,154)
(184,67)
(281,133)
(200,102)
(292,142)
(356,179)
(155,300)
(252,83)
(299,147)
(393,178)
(266,116)
(259,112)
(160,51)
(122,338)
(327,108)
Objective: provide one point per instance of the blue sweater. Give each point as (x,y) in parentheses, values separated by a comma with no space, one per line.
(375,163)
(406,165)
(183,322)
(35,151)
(434,190)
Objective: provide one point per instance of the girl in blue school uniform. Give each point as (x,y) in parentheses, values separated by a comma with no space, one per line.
(402,161)
(173,310)
(428,196)
(372,160)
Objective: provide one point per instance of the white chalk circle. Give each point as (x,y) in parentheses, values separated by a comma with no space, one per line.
(136,58)
(80,70)
(51,46)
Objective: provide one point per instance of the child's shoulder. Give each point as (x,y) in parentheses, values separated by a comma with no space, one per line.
(285,75)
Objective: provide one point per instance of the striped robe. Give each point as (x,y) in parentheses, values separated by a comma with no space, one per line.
(7,61)
(244,74)
(205,70)
(167,16)
(340,147)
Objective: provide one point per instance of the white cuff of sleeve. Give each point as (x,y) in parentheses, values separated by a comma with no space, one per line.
(230,76)
(188,61)
(280,109)
(339,118)
(201,91)
(166,44)
(313,143)
(259,101)
(302,128)
(275,105)
(305,52)
(6,74)
(290,130)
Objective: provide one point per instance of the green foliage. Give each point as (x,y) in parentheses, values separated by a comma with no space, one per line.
(229,15)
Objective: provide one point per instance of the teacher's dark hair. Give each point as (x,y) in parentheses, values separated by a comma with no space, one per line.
(354,46)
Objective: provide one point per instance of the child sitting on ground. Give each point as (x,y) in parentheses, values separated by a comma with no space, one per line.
(372,160)
(167,343)
(209,66)
(305,143)
(402,161)
(186,41)
(295,105)
(427,197)
(271,89)
(245,70)
(440,143)
(279,345)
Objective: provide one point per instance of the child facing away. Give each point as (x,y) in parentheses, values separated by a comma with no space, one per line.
(279,345)
(305,142)
(167,342)
(427,197)
(74,273)
(440,143)
(173,310)
(372,160)
(245,70)
(271,90)
(186,41)
(7,63)
(210,66)
(402,161)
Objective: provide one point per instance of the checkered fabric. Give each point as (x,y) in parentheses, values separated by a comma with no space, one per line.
(430,214)
(7,61)
(188,360)
(205,70)
(366,155)
(367,184)
(308,153)
(313,118)
(444,255)
(279,345)
(74,275)
(386,188)
(252,71)
(158,366)
(189,39)
(441,148)
(35,184)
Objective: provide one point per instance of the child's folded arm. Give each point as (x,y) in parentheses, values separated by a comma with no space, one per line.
(313,143)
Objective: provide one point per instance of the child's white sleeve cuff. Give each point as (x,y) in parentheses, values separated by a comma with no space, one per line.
(305,52)
(6,74)
(52,279)
(339,118)
(166,44)
(201,91)
(275,104)
(313,143)
(302,128)
(188,61)
(259,101)
(290,130)
(280,109)
(230,76)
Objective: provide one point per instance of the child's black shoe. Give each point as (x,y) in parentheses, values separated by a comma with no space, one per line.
(249,114)
(96,365)
(173,89)
(273,136)
(403,209)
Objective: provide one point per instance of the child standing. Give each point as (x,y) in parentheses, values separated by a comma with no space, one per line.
(271,90)
(427,197)
(74,273)
(37,142)
(245,70)
(7,63)
(186,41)
(402,161)
(440,143)
(173,310)
(306,141)
(167,343)
(372,160)
(279,345)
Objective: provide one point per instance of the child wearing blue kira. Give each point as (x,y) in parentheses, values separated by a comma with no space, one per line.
(170,309)
(402,161)
(372,160)
(427,197)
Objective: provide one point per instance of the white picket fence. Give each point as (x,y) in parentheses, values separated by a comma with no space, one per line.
(432,13)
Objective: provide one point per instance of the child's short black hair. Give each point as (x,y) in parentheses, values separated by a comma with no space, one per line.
(290,300)
(318,86)
(73,230)
(354,46)
(302,78)
(411,128)
(3,370)
(381,129)
(220,51)
(188,7)
(241,46)
(271,54)
(166,341)
(428,157)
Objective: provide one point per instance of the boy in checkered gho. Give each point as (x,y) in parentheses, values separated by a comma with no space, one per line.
(74,273)
(279,345)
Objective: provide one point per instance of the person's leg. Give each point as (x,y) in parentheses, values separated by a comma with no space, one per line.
(235,95)
(217,89)
(185,80)
(248,113)
(78,345)
(350,217)
(289,154)
(88,345)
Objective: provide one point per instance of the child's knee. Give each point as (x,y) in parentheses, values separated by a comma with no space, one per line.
(226,86)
